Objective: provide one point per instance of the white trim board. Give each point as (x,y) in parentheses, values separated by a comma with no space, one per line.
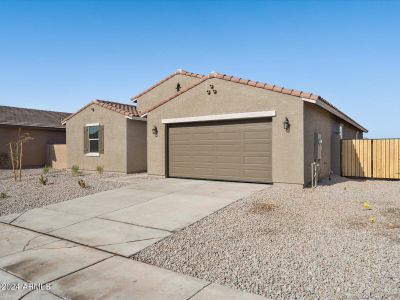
(236,116)
(92,124)
(137,119)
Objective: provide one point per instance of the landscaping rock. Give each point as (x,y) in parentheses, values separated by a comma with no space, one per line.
(286,243)
(61,185)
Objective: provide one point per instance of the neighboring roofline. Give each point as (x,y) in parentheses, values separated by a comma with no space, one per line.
(28,108)
(312,98)
(33,127)
(102,103)
(177,72)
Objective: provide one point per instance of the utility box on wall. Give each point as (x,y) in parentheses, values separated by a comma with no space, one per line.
(317,146)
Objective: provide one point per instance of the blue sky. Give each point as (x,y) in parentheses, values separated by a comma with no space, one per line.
(59,55)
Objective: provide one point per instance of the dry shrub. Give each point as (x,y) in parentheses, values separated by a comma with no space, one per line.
(392,226)
(262,208)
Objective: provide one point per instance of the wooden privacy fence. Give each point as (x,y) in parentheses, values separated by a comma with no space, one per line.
(371,158)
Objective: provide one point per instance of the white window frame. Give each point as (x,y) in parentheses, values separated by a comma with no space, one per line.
(89,139)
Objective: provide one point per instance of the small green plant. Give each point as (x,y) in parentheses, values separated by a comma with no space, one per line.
(46,169)
(75,170)
(100,169)
(43,180)
(82,183)
(3,195)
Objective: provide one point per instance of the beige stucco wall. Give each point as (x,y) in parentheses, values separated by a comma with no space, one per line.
(287,147)
(35,150)
(318,120)
(57,156)
(136,146)
(164,90)
(115,145)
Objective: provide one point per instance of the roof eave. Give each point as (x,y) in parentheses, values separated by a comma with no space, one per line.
(336,112)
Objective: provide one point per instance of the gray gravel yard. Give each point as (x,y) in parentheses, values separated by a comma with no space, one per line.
(61,186)
(287,243)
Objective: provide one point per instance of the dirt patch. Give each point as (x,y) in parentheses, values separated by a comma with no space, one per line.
(262,208)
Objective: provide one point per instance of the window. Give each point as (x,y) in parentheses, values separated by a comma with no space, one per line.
(93,135)
(341,131)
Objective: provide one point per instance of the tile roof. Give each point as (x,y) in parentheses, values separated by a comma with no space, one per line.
(256,84)
(127,110)
(27,117)
(177,72)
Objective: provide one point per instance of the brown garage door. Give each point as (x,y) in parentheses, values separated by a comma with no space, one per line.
(224,150)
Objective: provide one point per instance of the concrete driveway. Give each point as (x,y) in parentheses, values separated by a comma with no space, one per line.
(83,244)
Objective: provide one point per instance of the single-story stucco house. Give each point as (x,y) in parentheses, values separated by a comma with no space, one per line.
(107,134)
(43,127)
(227,128)
(215,127)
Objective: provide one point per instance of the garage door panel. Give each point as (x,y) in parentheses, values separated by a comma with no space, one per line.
(256,147)
(188,171)
(258,134)
(225,150)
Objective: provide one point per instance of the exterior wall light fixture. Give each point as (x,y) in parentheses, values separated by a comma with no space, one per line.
(155,131)
(286,124)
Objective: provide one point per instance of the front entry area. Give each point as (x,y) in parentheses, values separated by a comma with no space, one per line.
(234,150)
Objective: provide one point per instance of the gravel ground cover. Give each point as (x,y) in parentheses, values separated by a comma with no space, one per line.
(286,243)
(61,186)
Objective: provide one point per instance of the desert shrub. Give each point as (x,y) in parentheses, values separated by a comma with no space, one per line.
(100,169)
(46,169)
(82,183)
(3,195)
(43,179)
(75,170)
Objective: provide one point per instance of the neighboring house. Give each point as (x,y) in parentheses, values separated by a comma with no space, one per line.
(108,134)
(44,127)
(227,128)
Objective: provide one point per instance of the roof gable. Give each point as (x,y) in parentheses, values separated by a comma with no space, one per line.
(178,72)
(309,97)
(126,110)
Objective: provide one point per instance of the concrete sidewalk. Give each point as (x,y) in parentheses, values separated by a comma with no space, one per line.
(70,271)
(81,247)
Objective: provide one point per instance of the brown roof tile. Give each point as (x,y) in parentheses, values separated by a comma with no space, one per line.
(269,87)
(260,84)
(121,108)
(252,83)
(235,79)
(257,84)
(296,93)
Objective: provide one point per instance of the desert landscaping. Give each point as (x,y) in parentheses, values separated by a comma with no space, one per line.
(19,196)
(338,241)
